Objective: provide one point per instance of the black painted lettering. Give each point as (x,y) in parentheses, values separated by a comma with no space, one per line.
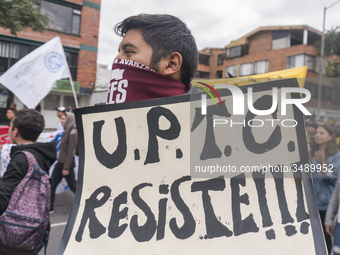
(189,226)
(161,218)
(142,233)
(263,103)
(259,179)
(281,197)
(210,148)
(114,230)
(153,125)
(301,213)
(213,226)
(95,227)
(118,156)
(248,224)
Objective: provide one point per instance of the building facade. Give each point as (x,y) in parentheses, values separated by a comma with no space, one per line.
(76,22)
(269,49)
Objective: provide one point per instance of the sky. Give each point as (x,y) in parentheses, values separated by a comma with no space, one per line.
(215,23)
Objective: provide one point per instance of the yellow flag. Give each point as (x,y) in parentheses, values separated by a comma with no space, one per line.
(299,73)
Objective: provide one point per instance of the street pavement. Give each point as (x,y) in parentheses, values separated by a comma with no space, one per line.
(62,208)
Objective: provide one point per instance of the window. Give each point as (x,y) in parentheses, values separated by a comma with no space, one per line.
(219,74)
(200,74)
(63,18)
(246,69)
(9,55)
(237,51)
(204,59)
(72,60)
(69,101)
(301,60)
(231,70)
(280,39)
(51,102)
(310,62)
(261,67)
(220,58)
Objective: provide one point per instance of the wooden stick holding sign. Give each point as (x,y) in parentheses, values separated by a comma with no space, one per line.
(156,177)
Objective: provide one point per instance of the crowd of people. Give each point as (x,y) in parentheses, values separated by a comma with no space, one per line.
(323,144)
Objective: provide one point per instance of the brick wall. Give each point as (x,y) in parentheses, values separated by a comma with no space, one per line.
(86,73)
(89,30)
(277,59)
(87,61)
(213,67)
(260,43)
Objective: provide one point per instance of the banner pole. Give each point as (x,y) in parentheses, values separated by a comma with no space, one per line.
(74,92)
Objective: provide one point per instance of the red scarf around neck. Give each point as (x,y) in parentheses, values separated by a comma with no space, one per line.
(131,81)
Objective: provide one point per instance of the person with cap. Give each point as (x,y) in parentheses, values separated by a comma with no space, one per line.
(60,111)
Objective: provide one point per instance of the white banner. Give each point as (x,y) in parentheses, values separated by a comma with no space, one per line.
(33,76)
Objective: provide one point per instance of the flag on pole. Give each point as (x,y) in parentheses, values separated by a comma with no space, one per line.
(33,76)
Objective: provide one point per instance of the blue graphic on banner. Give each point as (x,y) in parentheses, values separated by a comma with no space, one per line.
(58,138)
(54,62)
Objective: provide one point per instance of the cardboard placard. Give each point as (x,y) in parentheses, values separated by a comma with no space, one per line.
(138,193)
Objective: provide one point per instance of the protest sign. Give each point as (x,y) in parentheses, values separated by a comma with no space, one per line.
(139,191)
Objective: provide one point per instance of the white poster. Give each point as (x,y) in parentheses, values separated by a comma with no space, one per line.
(139,192)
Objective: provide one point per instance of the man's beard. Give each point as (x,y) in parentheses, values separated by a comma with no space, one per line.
(154,64)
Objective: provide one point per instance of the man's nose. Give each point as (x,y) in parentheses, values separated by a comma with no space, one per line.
(119,55)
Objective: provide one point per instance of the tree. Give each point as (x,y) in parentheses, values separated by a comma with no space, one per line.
(331,47)
(16,15)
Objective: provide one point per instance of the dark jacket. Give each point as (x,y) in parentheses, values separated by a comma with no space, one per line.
(44,153)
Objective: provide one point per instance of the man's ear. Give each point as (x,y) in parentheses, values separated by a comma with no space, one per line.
(16,132)
(174,64)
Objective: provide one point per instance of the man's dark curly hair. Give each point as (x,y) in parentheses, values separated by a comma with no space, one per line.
(165,34)
(30,123)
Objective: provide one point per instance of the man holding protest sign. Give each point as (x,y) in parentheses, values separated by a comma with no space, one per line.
(146,194)
(157,58)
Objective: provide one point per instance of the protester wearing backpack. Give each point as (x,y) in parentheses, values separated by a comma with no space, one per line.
(28,169)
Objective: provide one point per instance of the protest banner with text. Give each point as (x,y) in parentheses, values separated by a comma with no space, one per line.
(140,191)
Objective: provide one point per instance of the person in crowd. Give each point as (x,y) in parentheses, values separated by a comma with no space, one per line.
(310,128)
(24,130)
(157,58)
(65,165)
(331,217)
(60,111)
(10,114)
(325,160)
(70,109)
(13,105)
(337,129)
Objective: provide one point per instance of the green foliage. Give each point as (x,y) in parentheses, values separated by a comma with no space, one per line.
(332,70)
(16,15)
(332,42)
(332,46)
